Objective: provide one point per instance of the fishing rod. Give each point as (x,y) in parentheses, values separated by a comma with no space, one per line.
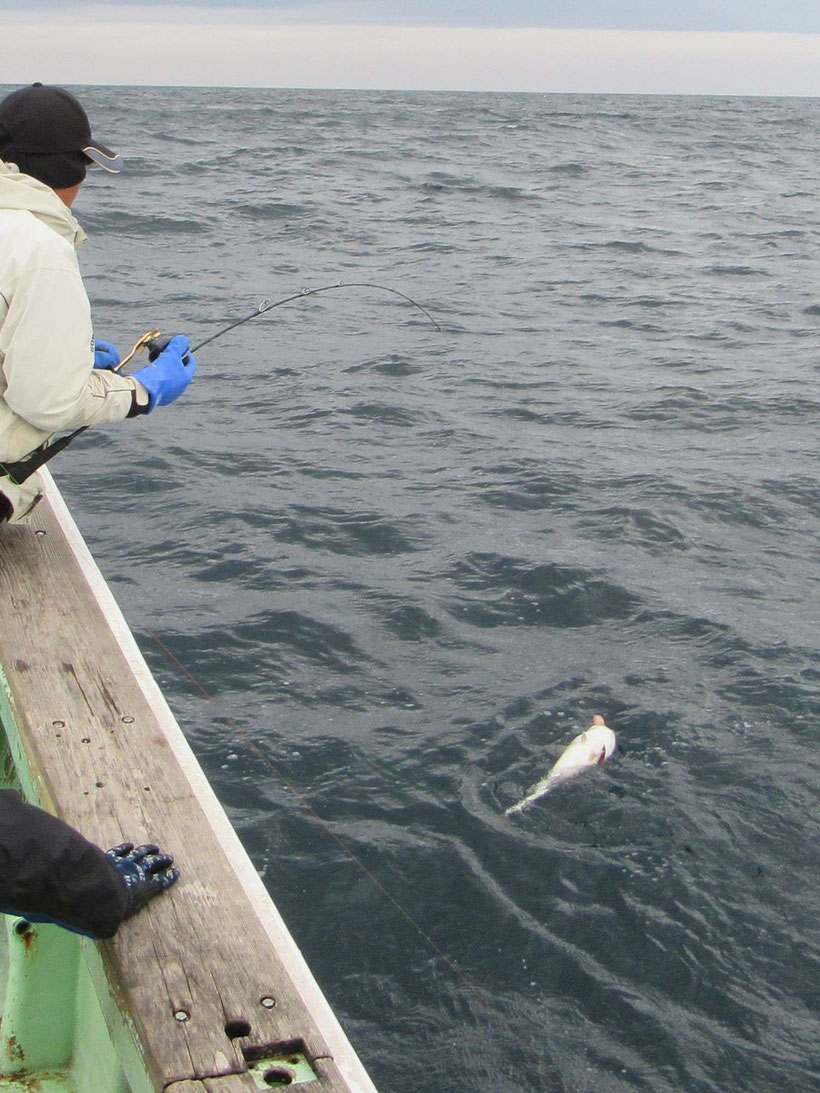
(154,342)
(266,306)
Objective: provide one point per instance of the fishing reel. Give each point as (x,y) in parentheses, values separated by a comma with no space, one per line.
(157,344)
(154,341)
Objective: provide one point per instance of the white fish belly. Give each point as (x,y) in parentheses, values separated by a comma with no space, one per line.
(588,749)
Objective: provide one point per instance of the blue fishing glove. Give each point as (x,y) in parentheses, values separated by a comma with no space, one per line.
(167,377)
(146,871)
(105,354)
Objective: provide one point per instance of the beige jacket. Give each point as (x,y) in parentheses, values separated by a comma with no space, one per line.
(47,380)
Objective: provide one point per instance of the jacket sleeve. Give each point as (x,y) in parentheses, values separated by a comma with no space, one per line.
(47,343)
(49,871)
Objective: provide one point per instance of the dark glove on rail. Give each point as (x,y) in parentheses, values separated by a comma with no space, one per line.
(105,354)
(167,377)
(146,871)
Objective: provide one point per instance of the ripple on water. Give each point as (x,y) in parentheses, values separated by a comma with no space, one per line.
(505,591)
(637,526)
(344,532)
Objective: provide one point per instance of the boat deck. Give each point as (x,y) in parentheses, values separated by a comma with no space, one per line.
(205,991)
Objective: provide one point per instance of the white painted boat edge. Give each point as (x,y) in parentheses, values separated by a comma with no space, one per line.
(344,1054)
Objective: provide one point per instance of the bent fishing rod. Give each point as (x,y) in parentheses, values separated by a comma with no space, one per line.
(154,342)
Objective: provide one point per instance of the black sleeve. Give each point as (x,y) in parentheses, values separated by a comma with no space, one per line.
(136,409)
(47,868)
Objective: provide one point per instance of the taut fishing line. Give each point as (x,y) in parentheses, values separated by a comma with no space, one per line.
(252,745)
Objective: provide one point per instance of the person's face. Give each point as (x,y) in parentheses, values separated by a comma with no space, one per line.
(68,193)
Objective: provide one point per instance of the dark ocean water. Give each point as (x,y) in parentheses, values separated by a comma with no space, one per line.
(409,565)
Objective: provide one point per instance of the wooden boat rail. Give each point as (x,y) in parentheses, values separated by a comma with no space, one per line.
(204,991)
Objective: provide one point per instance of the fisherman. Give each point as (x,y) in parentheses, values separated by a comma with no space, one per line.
(50,873)
(53,375)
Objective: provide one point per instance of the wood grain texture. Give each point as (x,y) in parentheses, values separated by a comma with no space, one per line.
(198,958)
(232,1083)
(244,1083)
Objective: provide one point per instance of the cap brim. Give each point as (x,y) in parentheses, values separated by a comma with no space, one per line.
(104,157)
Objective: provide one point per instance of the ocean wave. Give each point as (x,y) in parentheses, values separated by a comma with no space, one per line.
(738,271)
(273,210)
(343,532)
(517,593)
(129,224)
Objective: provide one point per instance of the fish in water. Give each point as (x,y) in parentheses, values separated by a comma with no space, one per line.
(588,749)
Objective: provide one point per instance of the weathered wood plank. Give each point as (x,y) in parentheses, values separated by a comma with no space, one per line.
(198,959)
(244,1083)
(232,1083)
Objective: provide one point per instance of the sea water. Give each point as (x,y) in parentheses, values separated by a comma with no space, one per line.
(385,572)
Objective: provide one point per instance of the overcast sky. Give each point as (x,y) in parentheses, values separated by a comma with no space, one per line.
(653,46)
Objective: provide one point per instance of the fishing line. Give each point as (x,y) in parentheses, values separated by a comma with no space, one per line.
(252,745)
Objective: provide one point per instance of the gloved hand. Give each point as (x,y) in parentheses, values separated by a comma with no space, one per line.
(105,354)
(146,871)
(167,377)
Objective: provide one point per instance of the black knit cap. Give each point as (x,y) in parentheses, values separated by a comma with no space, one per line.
(45,131)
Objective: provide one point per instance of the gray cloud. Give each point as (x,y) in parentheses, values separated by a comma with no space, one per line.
(798,16)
